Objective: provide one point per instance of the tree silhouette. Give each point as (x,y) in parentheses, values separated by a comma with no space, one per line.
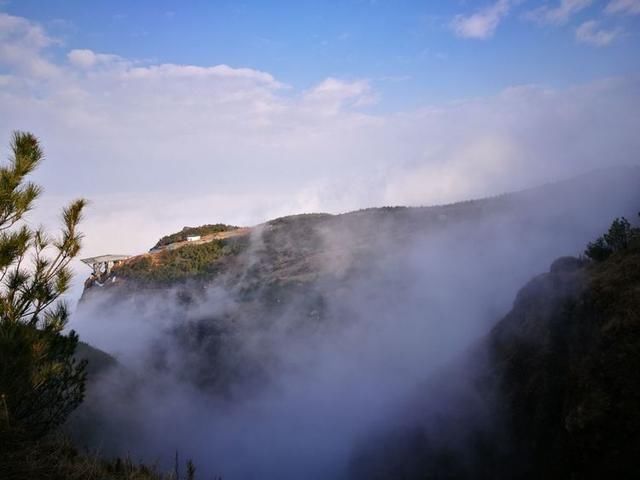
(618,238)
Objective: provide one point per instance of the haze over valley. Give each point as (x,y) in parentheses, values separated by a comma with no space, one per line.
(320,240)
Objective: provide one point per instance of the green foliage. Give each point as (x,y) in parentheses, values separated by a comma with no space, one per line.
(187,262)
(194,231)
(619,237)
(40,381)
(598,250)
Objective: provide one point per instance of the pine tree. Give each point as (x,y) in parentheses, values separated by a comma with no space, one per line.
(40,380)
(619,237)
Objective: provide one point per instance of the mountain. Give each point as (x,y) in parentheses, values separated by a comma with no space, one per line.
(332,330)
(556,394)
(309,247)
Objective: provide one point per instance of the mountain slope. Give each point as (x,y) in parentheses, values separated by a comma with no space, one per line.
(557,396)
(569,363)
(308,270)
(303,248)
(317,317)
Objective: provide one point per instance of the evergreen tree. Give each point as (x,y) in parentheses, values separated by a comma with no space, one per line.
(40,380)
(617,239)
(619,235)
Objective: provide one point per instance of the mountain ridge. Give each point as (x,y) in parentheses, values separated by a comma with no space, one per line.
(613,180)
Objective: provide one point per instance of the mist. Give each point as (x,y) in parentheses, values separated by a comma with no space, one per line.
(288,383)
(380,188)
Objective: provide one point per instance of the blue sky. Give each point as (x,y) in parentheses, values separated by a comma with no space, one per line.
(408,49)
(165,114)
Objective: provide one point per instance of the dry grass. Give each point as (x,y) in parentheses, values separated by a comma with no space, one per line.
(54,458)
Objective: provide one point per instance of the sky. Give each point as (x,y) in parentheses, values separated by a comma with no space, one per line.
(165,113)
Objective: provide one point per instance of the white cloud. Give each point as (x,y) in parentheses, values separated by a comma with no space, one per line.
(169,70)
(31,35)
(501,143)
(83,58)
(332,95)
(590,33)
(558,15)
(483,23)
(21,44)
(159,146)
(629,7)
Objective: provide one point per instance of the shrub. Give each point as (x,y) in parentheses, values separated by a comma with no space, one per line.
(195,231)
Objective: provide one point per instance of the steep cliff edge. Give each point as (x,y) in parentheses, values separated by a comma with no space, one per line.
(554,390)
(568,359)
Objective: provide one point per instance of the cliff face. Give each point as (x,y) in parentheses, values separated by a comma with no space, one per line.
(554,390)
(568,356)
